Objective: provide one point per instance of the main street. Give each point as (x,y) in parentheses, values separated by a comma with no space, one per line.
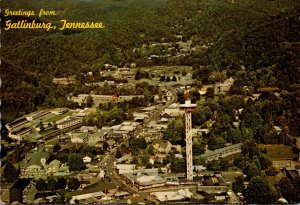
(108,161)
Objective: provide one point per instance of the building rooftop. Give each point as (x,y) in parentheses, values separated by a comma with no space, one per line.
(172,195)
(162,143)
(187,104)
(174,106)
(116,127)
(87,128)
(80,135)
(120,194)
(164,120)
(126,166)
(69,120)
(126,157)
(127,128)
(151,108)
(94,188)
(15,122)
(221,150)
(145,178)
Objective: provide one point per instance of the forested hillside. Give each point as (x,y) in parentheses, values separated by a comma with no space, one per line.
(259,35)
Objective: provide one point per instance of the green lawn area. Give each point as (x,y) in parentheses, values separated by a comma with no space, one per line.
(59,117)
(278,152)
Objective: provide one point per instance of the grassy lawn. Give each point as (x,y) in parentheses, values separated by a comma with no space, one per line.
(279,152)
(59,117)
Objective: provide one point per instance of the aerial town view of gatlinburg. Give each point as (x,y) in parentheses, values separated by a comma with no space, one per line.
(150,101)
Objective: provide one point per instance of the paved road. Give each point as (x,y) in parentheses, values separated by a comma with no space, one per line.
(108,161)
(108,164)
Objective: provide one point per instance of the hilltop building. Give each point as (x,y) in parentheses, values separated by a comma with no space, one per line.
(223,88)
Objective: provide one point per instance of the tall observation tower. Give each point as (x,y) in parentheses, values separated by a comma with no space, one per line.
(188,108)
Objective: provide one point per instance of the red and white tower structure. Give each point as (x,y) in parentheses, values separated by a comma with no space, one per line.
(188,108)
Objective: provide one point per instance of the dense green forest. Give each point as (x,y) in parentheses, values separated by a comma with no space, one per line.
(262,36)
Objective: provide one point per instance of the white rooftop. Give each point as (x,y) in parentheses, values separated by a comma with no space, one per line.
(172,195)
(188,104)
(127,128)
(173,106)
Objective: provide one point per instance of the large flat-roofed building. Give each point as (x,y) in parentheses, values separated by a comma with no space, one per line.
(123,98)
(177,195)
(81,98)
(88,129)
(125,168)
(223,152)
(19,134)
(80,138)
(36,115)
(94,137)
(17,123)
(141,178)
(125,73)
(64,81)
(145,180)
(69,123)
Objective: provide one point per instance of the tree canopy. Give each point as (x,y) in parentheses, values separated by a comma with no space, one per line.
(175,132)
(10,173)
(259,191)
(76,163)
(73,183)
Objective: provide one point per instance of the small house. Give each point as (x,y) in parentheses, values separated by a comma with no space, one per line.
(87,159)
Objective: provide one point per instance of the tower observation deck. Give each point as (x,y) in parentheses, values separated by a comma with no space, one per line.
(188,108)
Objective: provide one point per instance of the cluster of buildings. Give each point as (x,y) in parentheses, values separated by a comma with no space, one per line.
(37,125)
(23,126)
(101,197)
(177,49)
(124,73)
(219,88)
(87,135)
(105,193)
(64,81)
(101,99)
(34,125)
(143,178)
(37,166)
(93,136)
(173,196)
(69,124)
